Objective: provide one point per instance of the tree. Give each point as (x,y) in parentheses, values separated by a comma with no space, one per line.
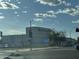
(56,38)
(78,40)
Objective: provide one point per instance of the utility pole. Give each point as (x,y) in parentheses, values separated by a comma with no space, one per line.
(30,35)
(30,38)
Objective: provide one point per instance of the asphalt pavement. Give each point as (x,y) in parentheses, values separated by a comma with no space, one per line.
(62,53)
(59,53)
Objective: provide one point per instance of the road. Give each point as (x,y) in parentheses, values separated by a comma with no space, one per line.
(61,53)
(65,53)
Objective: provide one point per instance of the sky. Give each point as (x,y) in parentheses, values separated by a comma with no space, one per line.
(59,15)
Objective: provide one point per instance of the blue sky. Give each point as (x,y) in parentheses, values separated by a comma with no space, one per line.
(61,15)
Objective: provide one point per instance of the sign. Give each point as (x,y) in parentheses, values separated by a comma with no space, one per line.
(30,32)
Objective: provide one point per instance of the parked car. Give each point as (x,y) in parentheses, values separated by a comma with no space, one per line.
(77,46)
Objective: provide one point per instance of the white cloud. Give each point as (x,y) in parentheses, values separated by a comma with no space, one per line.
(1,0)
(19,2)
(13,32)
(38,19)
(15,12)
(46,14)
(24,11)
(66,3)
(1,13)
(2,17)
(17,15)
(5,0)
(77,21)
(70,11)
(34,25)
(53,2)
(7,5)
(50,2)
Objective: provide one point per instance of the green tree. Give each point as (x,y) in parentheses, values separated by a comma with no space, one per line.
(56,38)
(78,40)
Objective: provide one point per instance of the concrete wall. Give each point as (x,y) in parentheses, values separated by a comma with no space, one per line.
(16,41)
(39,38)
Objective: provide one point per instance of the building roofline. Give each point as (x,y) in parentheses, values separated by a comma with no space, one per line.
(14,35)
(41,28)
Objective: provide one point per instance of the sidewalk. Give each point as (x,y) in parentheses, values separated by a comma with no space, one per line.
(26,50)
